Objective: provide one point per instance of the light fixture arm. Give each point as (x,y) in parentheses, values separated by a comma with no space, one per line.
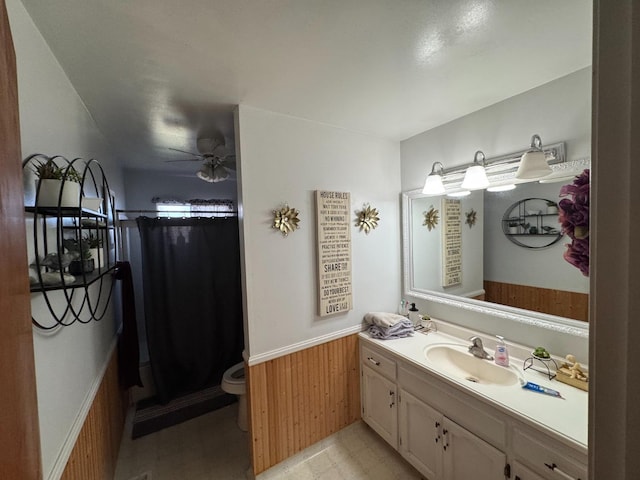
(440,169)
(536,142)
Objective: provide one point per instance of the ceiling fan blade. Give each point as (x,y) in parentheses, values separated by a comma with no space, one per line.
(229,162)
(183,151)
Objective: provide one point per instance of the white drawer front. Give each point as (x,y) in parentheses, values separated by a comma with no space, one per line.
(378,362)
(547,457)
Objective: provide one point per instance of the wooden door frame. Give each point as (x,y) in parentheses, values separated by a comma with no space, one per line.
(614,337)
(19,433)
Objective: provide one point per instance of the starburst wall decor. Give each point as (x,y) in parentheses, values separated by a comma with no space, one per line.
(431,218)
(286,220)
(367,219)
(472,217)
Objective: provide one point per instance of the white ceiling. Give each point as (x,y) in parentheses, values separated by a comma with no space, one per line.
(157,73)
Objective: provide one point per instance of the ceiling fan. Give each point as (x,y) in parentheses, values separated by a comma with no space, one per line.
(216,160)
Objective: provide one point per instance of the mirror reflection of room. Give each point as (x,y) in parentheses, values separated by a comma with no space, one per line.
(520,267)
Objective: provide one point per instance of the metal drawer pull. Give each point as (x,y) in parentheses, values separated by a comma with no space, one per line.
(374,361)
(554,468)
(392,399)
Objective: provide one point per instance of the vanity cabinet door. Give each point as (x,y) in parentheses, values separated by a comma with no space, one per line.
(466,456)
(420,435)
(379,406)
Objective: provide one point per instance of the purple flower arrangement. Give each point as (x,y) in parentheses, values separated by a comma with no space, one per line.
(574,219)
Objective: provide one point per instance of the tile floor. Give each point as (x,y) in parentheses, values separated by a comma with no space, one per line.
(211,447)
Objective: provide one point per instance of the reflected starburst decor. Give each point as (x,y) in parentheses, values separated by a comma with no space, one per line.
(472,216)
(431,218)
(286,220)
(367,218)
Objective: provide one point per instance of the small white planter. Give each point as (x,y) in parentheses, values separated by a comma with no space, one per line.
(98,255)
(92,203)
(50,192)
(552,210)
(513,230)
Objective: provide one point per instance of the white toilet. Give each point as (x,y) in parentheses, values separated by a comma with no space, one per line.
(233,382)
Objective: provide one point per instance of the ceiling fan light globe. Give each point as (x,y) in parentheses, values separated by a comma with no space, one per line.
(219,174)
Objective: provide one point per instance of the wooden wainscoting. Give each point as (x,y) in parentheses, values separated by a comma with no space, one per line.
(95,453)
(301,398)
(545,300)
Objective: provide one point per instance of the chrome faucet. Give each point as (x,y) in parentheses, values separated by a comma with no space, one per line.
(477,349)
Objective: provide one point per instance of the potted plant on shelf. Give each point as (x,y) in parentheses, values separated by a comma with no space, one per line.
(552,207)
(84,263)
(513,227)
(57,185)
(94,240)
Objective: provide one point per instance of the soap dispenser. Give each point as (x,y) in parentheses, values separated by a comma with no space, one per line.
(501,354)
(414,315)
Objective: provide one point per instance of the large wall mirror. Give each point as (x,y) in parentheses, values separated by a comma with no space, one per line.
(499,276)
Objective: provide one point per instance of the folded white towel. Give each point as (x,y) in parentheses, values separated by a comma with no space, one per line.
(383,319)
(401,329)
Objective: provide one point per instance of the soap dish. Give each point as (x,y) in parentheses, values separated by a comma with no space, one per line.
(545,362)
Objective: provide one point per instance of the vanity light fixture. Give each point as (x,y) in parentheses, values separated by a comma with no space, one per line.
(501,188)
(475,178)
(433,184)
(533,163)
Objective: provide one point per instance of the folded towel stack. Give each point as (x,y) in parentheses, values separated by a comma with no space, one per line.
(388,325)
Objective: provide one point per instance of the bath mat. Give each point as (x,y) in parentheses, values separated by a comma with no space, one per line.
(151,416)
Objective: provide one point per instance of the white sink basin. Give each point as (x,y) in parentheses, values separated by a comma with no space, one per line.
(458,362)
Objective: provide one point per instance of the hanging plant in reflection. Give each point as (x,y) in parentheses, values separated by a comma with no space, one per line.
(574,219)
(431,218)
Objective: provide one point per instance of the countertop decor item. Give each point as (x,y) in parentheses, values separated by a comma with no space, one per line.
(574,219)
(286,220)
(431,218)
(368,218)
(573,374)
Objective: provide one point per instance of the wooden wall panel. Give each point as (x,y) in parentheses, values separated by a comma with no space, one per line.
(298,399)
(19,430)
(545,300)
(95,453)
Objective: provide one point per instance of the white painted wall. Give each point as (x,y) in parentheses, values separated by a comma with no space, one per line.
(285,159)
(557,111)
(53,120)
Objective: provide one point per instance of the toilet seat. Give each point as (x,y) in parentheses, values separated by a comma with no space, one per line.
(233,380)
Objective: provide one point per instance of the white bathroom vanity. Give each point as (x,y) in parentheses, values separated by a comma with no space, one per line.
(467,420)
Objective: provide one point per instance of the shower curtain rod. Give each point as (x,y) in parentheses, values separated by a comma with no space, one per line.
(158,213)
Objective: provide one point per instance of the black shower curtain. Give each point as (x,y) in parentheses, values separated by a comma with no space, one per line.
(192,301)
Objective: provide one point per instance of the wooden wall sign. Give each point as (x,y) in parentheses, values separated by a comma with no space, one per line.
(334,252)
(451,243)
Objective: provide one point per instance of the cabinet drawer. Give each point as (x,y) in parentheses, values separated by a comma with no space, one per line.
(378,362)
(547,457)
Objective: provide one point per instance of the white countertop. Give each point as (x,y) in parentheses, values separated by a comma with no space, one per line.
(564,418)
